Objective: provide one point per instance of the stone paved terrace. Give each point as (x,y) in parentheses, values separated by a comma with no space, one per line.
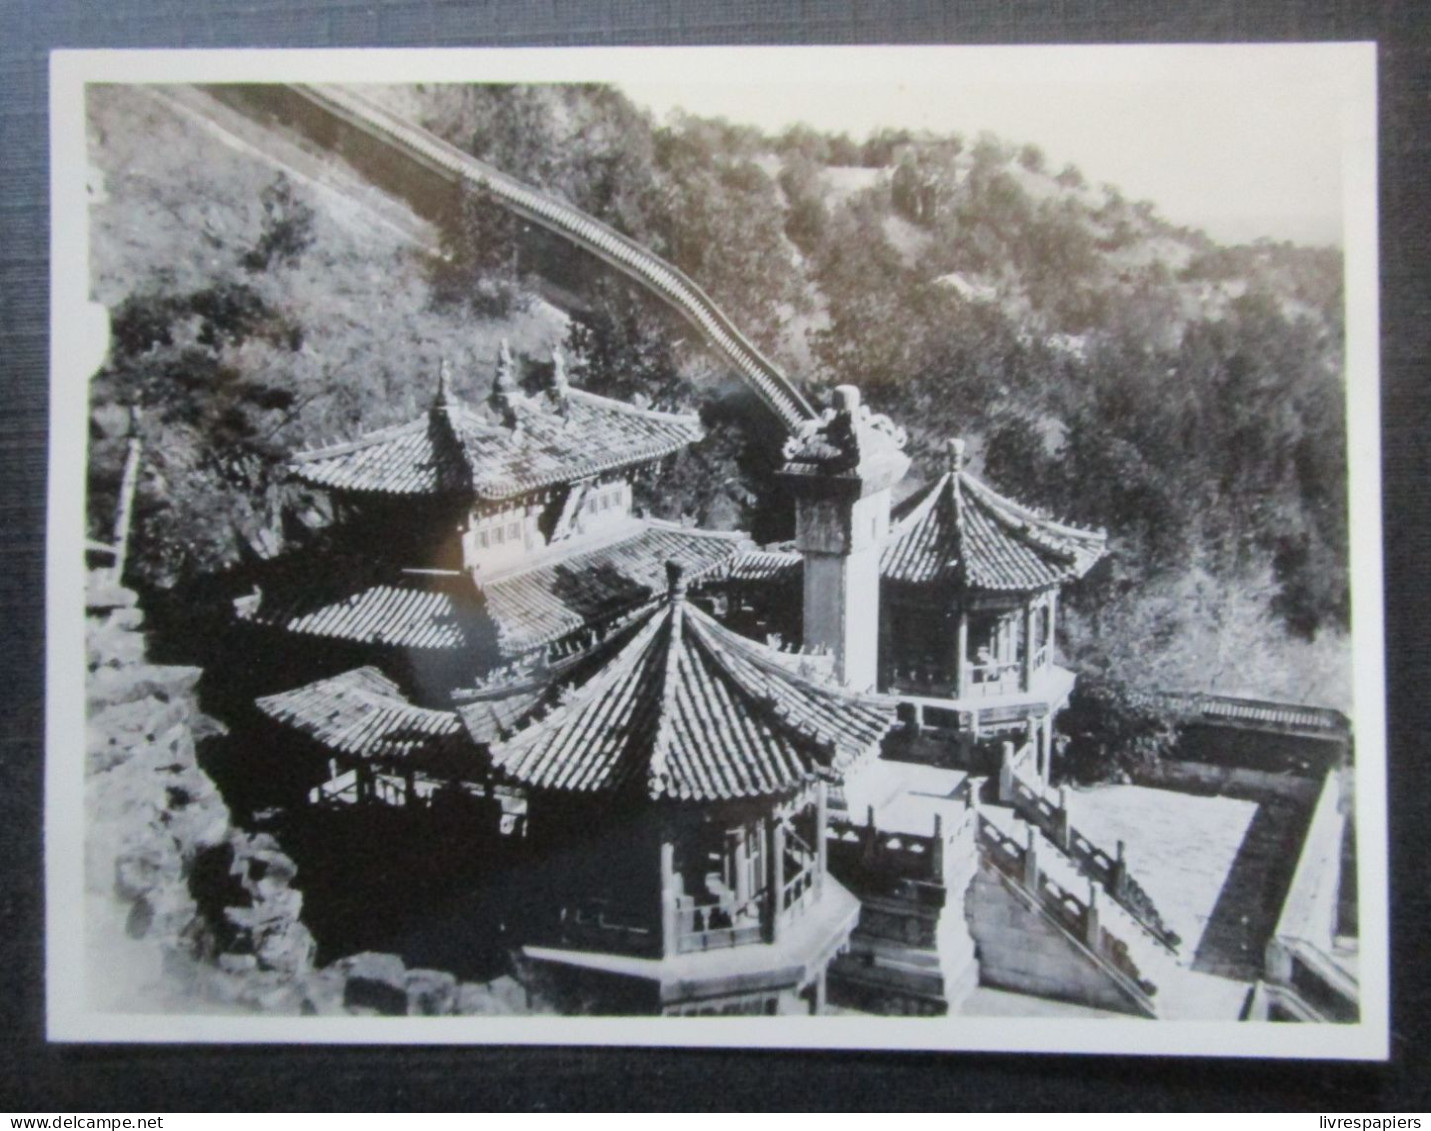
(986,1001)
(905,795)
(1183,848)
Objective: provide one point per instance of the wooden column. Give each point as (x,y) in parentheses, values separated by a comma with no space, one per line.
(822,791)
(1052,621)
(669,922)
(777,874)
(961,653)
(742,867)
(1027,668)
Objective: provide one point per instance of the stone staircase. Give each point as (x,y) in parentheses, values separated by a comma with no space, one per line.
(1153,974)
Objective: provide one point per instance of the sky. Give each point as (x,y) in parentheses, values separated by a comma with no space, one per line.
(1242,141)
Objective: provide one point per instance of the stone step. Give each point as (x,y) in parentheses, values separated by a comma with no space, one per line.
(1154,961)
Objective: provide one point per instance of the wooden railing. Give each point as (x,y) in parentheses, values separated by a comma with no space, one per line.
(621,252)
(339,790)
(797,892)
(984,681)
(717,924)
(598,921)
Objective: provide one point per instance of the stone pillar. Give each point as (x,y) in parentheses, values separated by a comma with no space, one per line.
(670,925)
(817,1003)
(840,474)
(1090,919)
(1031,859)
(1119,881)
(1006,773)
(1062,826)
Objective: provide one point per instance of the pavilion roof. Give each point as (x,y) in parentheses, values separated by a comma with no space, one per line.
(506,447)
(959,530)
(512,613)
(363,714)
(688,710)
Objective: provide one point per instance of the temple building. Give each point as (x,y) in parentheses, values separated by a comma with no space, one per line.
(730,779)
(480,539)
(678,800)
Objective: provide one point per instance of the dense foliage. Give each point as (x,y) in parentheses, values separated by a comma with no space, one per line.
(1104,364)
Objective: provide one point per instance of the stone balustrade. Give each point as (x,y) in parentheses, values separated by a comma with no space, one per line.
(1078,916)
(1051,817)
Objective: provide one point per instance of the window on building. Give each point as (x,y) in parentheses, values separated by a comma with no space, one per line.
(498,536)
(514,531)
(483,539)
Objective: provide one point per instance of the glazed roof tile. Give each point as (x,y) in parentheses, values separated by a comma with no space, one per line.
(460,450)
(511,613)
(766,565)
(961,531)
(688,710)
(363,714)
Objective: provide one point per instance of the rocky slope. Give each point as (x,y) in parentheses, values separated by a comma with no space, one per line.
(184,910)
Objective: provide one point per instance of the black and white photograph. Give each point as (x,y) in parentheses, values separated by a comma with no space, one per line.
(806,547)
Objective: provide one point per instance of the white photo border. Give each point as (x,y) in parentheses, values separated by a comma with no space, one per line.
(76,344)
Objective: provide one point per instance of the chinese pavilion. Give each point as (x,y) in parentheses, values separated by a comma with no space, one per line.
(699,762)
(497,628)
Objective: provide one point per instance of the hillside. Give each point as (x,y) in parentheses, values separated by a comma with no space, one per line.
(1113,368)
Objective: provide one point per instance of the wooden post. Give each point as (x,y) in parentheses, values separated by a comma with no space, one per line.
(740,850)
(936,863)
(1026,668)
(961,655)
(822,810)
(777,876)
(670,942)
(1031,859)
(124,515)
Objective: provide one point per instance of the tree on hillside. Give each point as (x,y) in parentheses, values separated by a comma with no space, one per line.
(481,267)
(208,427)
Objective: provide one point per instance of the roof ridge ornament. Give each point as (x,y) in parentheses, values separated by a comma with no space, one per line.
(505,388)
(844,434)
(560,387)
(656,773)
(445,396)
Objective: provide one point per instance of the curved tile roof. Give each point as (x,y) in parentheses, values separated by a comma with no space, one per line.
(960,531)
(509,447)
(690,711)
(514,612)
(363,714)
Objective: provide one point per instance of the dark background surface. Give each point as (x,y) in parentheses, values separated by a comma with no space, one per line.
(42,1078)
